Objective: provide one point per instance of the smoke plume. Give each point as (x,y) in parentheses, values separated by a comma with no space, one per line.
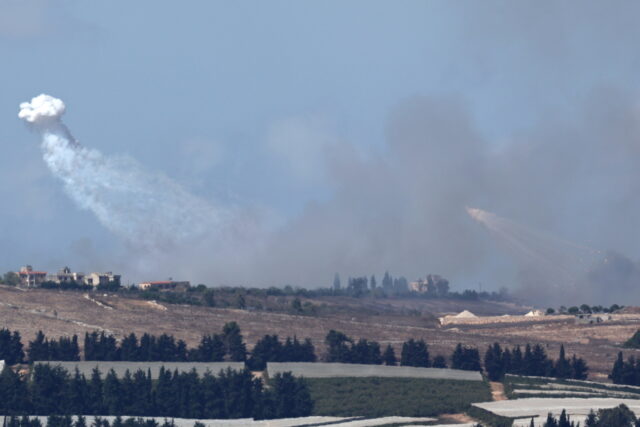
(148,210)
(401,209)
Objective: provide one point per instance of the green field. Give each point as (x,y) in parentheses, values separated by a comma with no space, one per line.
(377,397)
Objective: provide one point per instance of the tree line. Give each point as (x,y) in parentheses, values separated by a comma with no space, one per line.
(625,371)
(11,347)
(229,394)
(81,421)
(532,362)
(340,348)
(584,309)
(99,346)
(343,349)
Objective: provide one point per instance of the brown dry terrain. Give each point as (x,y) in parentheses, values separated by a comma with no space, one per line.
(387,321)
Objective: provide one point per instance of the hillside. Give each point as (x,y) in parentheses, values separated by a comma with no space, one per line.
(389,321)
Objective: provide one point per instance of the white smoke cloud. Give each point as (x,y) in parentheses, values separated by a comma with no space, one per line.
(42,108)
(148,210)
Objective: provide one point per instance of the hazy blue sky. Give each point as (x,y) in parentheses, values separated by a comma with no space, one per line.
(274,104)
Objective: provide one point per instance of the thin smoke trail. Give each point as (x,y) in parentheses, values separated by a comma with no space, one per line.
(559,261)
(146,209)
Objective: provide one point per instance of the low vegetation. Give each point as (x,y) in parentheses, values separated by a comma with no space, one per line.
(584,309)
(377,397)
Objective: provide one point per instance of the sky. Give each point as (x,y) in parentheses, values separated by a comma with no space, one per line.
(353,134)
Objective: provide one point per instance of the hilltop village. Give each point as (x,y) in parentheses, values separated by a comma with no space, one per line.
(27,277)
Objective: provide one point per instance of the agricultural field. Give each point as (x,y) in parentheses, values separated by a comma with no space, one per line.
(521,411)
(518,387)
(377,397)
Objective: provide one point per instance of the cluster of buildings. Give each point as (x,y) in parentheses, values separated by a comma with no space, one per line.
(31,278)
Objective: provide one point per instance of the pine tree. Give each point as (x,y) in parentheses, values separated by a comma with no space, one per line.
(517,362)
(112,397)
(551,421)
(415,353)
(618,367)
(389,356)
(291,396)
(579,369)
(38,348)
(269,349)
(592,420)
(439,361)
(564,421)
(13,392)
(10,347)
(129,350)
(457,358)
(234,346)
(94,394)
(494,362)
(337,348)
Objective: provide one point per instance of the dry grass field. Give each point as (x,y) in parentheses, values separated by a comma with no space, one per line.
(389,321)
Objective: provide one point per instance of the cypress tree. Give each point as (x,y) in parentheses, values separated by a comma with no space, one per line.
(95,393)
(618,367)
(112,397)
(517,362)
(562,368)
(494,362)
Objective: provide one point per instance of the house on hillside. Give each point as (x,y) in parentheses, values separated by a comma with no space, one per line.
(102,279)
(433,285)
(31,278)
(165,285)
(66,276)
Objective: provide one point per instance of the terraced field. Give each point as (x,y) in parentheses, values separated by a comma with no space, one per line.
(521,411)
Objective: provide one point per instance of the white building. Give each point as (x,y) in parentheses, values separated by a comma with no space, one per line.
(101,279)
